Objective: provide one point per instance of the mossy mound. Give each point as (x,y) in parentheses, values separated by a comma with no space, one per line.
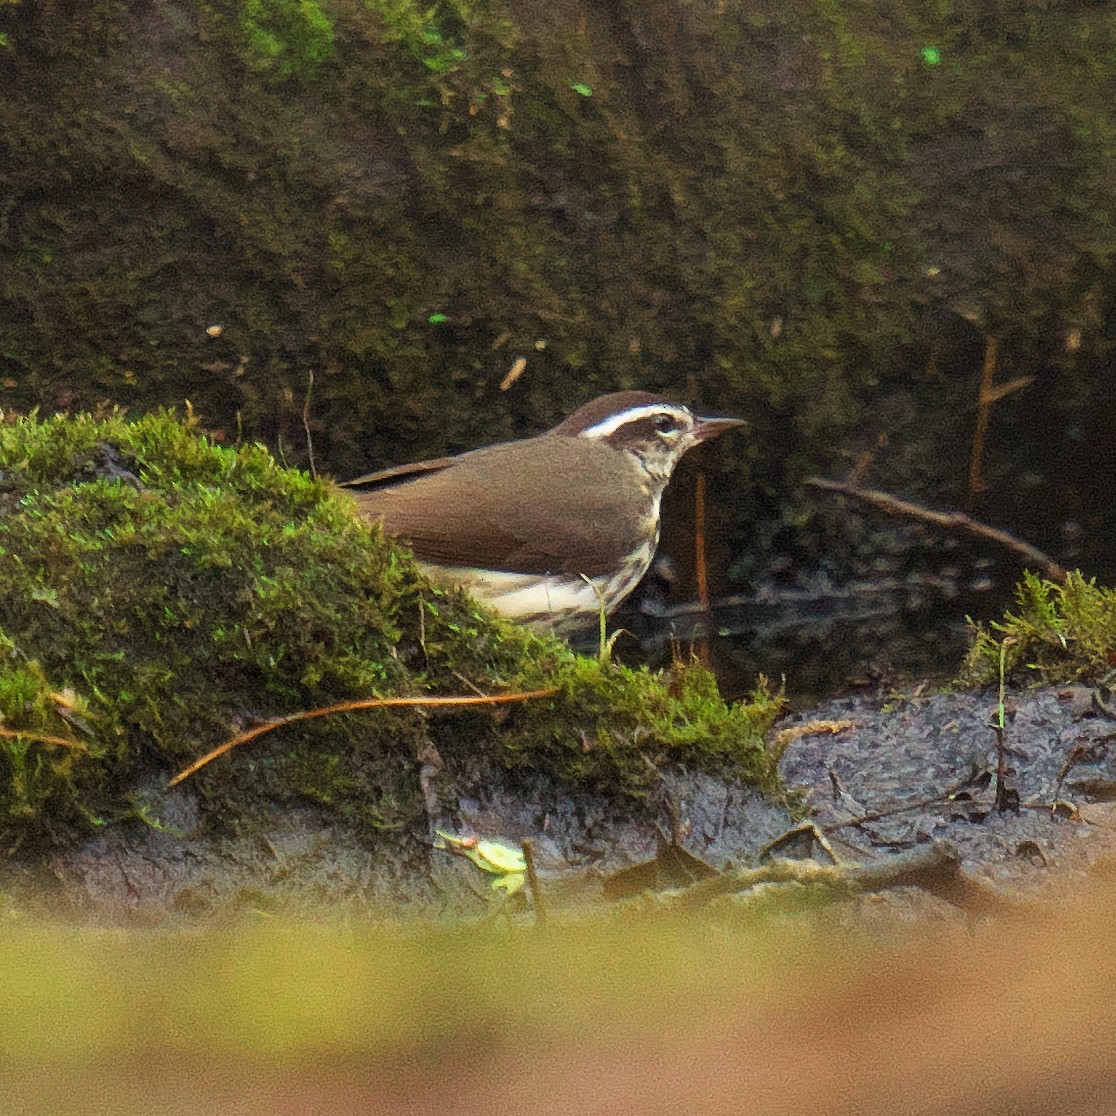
(158,592)
(1060,632)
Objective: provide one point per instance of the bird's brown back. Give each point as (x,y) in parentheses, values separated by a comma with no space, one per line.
(516,506)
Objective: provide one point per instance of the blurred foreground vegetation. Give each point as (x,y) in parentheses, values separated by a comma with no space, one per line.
(794,1013)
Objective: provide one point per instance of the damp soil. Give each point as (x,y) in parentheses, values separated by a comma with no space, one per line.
(880,778)
(912,770)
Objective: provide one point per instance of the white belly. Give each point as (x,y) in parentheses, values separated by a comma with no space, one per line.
(550,601)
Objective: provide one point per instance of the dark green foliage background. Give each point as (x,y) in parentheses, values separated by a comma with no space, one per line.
(750,203)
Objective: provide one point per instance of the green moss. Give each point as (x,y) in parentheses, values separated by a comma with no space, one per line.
(610,726)
(291,36)
(185,588)
(45,773)
(318,179)
(1059,632)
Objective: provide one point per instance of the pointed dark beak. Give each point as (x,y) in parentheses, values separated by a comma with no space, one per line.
(709,426)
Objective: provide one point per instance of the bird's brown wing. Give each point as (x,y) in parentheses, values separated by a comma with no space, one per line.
(562,506)
(396,474)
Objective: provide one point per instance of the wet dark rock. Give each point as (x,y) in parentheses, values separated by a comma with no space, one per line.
(910,752)
(302,860)
(906,751)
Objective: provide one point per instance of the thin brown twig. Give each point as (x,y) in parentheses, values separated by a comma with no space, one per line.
(987,372)
(42,738)
(306,421)
(465,682)
(700,570)
(1091,752)
(1099,703)
(937,870)
(940,799)
(699,543)
(533,881)
(349,707)
(957,521)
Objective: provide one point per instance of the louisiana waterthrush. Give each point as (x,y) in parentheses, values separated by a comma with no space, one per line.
(547,530)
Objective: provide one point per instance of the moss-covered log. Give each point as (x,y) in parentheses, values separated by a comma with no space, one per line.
(158,592)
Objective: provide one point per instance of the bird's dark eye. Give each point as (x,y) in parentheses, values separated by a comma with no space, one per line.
(664,424)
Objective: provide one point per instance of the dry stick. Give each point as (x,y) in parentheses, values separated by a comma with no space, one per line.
(892,505)
(41,738)
(1006,797)
(349,707)
(306,421)
(940,799)
(1106,710)
(936,870)
(699,566)
(533,881)
(699,543)
(976,482)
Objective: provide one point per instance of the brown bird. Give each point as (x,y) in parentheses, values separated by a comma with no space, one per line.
(550,529)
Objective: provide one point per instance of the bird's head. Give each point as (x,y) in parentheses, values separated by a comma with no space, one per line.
(653,430)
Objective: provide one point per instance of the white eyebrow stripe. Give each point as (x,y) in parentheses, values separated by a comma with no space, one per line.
(613,423)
